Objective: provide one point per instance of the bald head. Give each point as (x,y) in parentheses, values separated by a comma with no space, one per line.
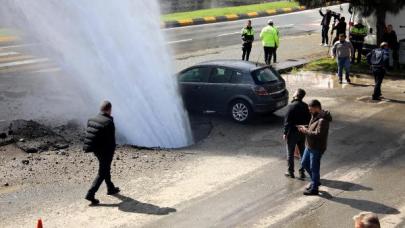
(366,220)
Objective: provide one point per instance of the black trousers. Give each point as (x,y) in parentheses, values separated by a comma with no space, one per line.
(268,54)
(325,37)
(104,172)
(379,74)
(358,47)
(294,139)
(246,49)
(274,56)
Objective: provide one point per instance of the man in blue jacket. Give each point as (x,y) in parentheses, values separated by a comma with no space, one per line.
(379,60)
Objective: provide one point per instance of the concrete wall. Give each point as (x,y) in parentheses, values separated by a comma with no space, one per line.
(170,6)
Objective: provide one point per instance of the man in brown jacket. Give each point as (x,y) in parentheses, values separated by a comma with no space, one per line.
(316,135)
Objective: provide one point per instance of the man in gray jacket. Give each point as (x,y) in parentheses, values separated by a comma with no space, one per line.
(343,51)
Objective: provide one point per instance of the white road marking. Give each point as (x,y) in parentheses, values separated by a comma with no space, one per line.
(179,41)
(48,70)
(5,54)
(18,46)
(286,26)
(228,34)
(24,62)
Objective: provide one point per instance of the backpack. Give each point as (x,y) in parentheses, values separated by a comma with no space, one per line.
(377,57)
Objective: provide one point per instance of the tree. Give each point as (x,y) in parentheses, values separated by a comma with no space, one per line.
(367,7)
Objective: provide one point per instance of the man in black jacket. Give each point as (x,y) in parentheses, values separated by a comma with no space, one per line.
(100,139)
(297,114)
(326,18)
(340,29)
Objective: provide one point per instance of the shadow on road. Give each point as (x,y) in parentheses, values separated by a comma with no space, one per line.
(362,205)
(395,101)
(345,186)
(133,206)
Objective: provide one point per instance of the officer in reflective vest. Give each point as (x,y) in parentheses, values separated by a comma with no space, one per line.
(248,36)
(270,41)
(357,34)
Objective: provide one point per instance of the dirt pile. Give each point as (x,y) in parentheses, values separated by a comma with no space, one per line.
(33,137)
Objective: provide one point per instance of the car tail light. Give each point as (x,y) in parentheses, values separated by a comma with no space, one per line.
(261,91)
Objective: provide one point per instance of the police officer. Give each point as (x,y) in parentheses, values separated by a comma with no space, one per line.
(270,41)
(357,34)
(100,139)
(248,36)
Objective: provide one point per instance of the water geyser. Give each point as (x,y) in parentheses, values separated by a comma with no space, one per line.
(115,50)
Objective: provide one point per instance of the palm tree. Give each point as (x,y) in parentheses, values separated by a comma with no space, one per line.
(367,7)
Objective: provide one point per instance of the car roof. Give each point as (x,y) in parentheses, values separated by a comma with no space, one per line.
(234,64)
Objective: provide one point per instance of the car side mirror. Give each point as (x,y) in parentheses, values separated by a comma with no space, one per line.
(371,30)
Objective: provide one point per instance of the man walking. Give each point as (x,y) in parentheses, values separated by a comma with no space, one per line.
(316,135)
(270,41)
(297,114)
(342,50)
(357,34)
(100,139)
(379,60)
(248,36)
(326,19)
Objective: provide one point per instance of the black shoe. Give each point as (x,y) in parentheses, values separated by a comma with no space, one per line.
(311,192)
(302,175)
(340,82)
(93,200)
(113,191)
(376,99)
(289,174)
(348,80)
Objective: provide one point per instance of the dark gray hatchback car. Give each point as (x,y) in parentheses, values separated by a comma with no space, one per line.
(233,87)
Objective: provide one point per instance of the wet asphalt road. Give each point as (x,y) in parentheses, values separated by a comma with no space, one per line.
(234,178)
(201,37)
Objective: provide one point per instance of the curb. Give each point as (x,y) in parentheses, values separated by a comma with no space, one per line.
(230,17)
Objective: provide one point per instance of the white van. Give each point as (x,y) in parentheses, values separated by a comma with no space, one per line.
(396,20)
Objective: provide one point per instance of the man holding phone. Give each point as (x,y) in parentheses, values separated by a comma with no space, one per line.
(316,135)
(297,114)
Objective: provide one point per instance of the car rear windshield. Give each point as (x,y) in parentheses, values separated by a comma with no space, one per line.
(265,76)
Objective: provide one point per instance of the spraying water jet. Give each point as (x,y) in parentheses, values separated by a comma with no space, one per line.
(114,50)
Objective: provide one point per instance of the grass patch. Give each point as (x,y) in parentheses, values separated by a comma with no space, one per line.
(329,65)
(229,10)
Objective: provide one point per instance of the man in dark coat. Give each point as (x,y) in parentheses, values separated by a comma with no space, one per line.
(100,139)
(326,18)
(248,36)
(316,142)
(297,114)
(379,60)
(340,28)
(390,37)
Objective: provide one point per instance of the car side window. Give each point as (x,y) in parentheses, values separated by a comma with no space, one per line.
(198,74)
(239,78)
(220,75)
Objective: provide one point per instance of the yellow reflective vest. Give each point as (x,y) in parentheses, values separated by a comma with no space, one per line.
(269,37)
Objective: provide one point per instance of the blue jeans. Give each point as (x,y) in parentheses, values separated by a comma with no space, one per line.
(343,63)
(311,162)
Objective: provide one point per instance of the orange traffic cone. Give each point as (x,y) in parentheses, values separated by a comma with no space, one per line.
(39,224)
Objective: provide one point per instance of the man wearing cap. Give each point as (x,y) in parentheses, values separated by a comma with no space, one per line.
(297,114)
(270,41)
(379,60)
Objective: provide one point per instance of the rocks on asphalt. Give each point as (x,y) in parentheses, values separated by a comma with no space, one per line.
(33,137)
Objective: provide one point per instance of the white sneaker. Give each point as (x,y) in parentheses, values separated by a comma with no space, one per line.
(326,45)
(321,44)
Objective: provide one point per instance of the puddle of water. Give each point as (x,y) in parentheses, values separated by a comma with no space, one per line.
(325,81)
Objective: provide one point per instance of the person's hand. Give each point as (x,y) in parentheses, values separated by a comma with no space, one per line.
(302,129)
(284,137)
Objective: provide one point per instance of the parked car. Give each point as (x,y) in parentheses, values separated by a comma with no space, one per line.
(238,88)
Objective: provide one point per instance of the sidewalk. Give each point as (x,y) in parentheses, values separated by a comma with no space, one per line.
(293,51)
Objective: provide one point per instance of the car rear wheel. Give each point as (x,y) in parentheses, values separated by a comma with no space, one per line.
(240,111)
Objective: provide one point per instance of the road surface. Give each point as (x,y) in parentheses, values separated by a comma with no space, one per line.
(200,37)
